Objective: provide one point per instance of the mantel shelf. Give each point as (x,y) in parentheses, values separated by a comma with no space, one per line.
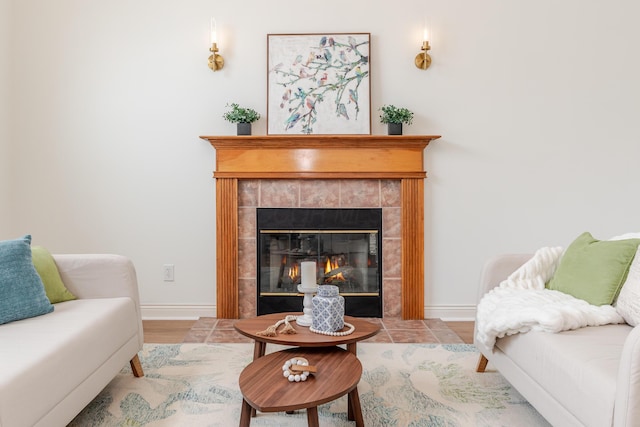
(319,141)
(320,156)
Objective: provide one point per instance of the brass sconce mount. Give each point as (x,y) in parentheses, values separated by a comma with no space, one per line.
(423,60)
(216,62)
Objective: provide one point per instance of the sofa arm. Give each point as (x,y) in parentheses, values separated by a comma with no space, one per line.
(495,270)
(101,276)
(498,269)
(98,275)
(627,405)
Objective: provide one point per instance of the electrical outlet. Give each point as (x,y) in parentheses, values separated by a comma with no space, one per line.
(167,272)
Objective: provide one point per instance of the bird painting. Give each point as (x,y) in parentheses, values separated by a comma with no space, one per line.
(285,97)
(352,42)
(353,96)
(310,103)
(277,67)
(342,111)
(310,59)
(291,121)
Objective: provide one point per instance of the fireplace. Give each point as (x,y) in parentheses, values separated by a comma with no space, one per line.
(300,161)
(345,245)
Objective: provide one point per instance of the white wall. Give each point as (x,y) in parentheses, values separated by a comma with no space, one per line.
(5,176)
(536,102)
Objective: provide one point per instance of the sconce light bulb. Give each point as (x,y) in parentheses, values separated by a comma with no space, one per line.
(216,62)
(214,31)
(423,60)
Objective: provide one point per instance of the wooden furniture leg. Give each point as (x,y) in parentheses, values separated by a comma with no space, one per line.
(259,349)
(482,363)
(136,366)
(355,411)
(312,417)
(245,414)
(353,348)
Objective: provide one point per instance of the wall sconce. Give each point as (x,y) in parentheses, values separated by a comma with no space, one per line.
(423,60)
(216,62)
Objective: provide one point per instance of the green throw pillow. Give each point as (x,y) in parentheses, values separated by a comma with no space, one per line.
(48,270)
(21,290)
(594,270)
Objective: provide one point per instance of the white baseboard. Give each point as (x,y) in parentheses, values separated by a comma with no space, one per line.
(450,313)
(192,312)
(177,312)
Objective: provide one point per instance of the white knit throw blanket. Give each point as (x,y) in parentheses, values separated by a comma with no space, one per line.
(521,303)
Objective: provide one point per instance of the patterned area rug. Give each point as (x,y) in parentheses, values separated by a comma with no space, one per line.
(402,385)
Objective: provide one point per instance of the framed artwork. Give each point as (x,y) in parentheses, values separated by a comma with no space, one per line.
(318,83)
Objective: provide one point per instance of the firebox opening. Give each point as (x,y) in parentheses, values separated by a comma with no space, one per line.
(345,244)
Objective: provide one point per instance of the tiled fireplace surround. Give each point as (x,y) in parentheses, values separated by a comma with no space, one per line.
(336,193)
(307,171)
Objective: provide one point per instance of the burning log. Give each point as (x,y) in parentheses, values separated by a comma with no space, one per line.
(338,271)
(349,276)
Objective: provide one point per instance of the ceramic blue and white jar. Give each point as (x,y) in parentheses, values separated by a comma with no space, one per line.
(328,309)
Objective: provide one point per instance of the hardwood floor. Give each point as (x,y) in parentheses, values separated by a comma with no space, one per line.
(463,329)
(178,331)
(166,331)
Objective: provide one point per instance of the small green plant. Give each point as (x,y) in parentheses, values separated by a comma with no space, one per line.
(238,114)
(393,114)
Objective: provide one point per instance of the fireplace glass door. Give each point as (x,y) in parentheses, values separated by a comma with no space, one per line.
(346,257)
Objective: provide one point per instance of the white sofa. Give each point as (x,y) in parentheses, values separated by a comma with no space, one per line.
(585,377)
(52,366)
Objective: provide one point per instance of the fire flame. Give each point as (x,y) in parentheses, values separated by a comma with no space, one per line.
(294,272)
(329,267)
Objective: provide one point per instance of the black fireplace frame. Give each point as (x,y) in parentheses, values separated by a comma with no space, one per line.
(339,219)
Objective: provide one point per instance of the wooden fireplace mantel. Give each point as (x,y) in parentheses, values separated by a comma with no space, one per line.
(320,157)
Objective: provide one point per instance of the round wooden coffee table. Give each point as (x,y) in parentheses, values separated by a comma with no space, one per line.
(264,387)
(304,337)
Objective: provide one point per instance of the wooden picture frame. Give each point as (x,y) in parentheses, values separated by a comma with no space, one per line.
(318,83)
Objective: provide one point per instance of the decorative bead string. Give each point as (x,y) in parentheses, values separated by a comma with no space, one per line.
(295,377)
(272,330)
(335,334)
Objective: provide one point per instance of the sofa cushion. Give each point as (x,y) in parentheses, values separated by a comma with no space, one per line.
(22,293)
(594,270)
(48,271)
(578,368)
(59,352)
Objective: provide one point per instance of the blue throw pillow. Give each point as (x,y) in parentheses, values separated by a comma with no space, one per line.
(22,293)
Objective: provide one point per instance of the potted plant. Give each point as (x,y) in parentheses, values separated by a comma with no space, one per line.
(394,117)
(242,116)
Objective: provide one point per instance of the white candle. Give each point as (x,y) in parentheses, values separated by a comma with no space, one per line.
(308,276)
(214,31)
